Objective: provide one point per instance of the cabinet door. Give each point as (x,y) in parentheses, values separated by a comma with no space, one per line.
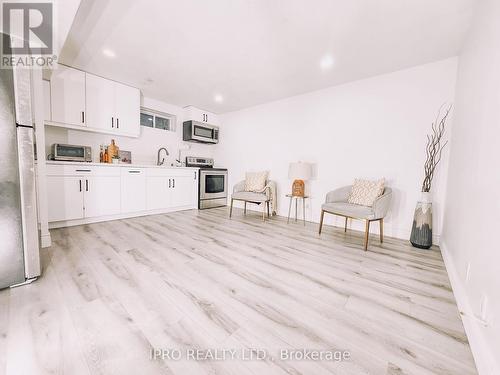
(67,87)
(133,183)
(100,97)
(46,101)
(101,195)
(127,109)
(184,191)
(158,192)
(196,114)
(65,198)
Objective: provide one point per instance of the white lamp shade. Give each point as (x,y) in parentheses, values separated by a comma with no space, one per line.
(299,171)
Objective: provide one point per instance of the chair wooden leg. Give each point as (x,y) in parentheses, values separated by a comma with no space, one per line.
(381,230)
(245,209)
(268,216)
(264,211)
(345,226)
(231,209)
(367,233)
(321,220)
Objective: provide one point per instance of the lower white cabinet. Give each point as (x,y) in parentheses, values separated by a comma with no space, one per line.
(65,198)
(82,191)
(133,186)
(183,190)
(102,196)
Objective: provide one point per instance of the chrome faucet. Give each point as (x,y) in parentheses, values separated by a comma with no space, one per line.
(163,159)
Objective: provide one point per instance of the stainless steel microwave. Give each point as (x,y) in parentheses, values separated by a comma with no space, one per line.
(71,153)
(194,131)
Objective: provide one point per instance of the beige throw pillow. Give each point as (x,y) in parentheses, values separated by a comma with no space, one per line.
(364,192)
(255,181)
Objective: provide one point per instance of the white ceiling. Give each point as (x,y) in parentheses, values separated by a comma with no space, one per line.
(255,51)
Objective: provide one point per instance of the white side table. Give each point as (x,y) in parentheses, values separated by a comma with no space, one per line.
(296,198)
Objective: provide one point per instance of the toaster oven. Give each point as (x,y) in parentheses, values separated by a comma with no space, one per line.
(71,153)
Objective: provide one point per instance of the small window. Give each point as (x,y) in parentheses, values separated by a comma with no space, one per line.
(158,120)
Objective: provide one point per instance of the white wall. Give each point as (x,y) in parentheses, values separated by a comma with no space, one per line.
(144,149)
(370,128)
(473,200)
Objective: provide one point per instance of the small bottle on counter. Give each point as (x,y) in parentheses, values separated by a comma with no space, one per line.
(101,155)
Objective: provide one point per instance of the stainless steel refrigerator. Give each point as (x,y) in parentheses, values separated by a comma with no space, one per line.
(19,239)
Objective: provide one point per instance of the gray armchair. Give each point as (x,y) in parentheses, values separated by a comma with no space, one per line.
(336,204)
(264,197)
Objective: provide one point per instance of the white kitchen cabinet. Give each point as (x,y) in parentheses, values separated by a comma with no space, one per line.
(46,101)
(112,106)
(196,114)
(183,191)
(65,198)
(83,192)
(133,189)
(100,97)
(158,194)
(127,109)
(102,196)
(67,88)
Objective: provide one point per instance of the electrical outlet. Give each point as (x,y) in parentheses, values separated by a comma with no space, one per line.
(467,272)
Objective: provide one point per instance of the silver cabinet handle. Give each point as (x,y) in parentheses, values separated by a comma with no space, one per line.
(83,117)
(169,183)
(174,182)
(112,122)
(117,122)
(134,171)
(80,181)
(86,185)
(83,170)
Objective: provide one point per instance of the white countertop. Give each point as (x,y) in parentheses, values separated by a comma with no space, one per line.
(56,162)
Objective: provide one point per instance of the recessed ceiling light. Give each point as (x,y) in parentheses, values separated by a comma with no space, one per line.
(108,53)
(326,62)
(218,98)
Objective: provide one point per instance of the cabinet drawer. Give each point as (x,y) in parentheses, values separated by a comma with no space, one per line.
(82,170)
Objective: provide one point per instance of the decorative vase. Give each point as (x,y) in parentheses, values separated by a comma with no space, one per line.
(421,231)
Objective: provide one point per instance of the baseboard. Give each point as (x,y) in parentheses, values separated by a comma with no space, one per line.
(484,358)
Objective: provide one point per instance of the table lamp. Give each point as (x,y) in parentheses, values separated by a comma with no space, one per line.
(299,172)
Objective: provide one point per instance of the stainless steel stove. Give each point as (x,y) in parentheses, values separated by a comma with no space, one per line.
(212,185)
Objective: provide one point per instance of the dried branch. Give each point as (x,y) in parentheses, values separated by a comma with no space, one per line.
(434,148)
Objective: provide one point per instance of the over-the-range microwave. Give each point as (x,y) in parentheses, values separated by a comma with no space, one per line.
(71,153)
(194,131)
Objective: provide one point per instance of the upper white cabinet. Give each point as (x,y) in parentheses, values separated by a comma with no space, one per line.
(196,114)
(79,99)
(127,109)
(112,106)
(67,94)
(100,96)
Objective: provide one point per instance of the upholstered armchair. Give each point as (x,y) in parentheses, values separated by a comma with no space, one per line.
(336,204)
(264,197)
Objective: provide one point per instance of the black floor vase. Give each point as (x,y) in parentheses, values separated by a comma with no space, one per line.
(421,231)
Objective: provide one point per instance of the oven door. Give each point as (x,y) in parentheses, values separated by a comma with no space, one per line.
(213,184)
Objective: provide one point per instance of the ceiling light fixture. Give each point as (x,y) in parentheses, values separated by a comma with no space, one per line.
(326,62)
(108,53)
(218,98)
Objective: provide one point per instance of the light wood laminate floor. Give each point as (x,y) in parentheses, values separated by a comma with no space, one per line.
(196,279)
